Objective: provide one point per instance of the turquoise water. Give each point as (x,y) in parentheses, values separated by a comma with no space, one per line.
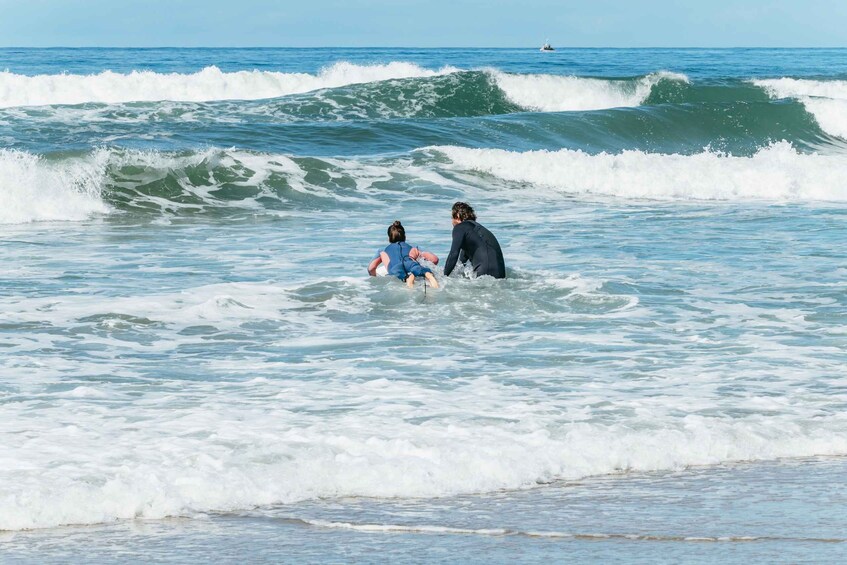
(195,364)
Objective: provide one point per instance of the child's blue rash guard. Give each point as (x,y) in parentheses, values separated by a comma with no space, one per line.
(400,265)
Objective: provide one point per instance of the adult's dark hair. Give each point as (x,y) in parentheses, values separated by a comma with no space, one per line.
(462,211)
(396,232)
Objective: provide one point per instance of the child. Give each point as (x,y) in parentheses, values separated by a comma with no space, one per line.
(400,258)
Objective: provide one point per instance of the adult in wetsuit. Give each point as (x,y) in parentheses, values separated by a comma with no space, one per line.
(471,241)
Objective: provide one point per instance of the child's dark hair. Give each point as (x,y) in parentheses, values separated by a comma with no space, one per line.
(396,232)
(462,211)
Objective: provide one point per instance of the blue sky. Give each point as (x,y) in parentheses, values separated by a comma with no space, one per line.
(423,23)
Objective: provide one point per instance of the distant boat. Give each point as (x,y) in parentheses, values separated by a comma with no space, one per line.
(547,46)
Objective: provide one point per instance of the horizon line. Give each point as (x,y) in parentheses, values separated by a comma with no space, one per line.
(565,48)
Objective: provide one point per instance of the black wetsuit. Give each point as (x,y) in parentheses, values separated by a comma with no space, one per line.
(474,242)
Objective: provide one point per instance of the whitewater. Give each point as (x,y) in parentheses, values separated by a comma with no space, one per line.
(195,363)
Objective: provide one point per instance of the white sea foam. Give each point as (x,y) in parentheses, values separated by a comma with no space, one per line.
(34,189)
(214,447)
(831,115)
(826,100)
(777,172)
(792,88)
(208,84)
(422,528)
(430,529)
(554,93)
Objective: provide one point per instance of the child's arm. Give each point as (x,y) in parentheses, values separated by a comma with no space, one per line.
(374,264)
(384,258)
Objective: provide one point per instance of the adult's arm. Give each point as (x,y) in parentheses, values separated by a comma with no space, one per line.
(431,257)
(455,249)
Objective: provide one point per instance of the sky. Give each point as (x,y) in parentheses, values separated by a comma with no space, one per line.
(422,23)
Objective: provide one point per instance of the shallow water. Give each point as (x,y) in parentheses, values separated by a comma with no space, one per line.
(783,511)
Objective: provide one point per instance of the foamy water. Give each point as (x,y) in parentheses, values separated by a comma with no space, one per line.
(285,403)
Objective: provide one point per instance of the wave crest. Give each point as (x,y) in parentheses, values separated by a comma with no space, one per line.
(538,92)
(33,189)
(208,84)
(777,172)
(224,182)
(826,100)
(554,93)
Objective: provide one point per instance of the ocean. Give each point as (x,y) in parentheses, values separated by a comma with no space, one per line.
(195,364)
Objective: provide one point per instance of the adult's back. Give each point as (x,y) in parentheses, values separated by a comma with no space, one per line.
(475,243)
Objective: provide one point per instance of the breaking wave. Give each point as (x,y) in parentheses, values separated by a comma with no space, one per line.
(826,100)
(377,93)
(777,172)
(35,189)
(208,84)
(553,93)
(216,181)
